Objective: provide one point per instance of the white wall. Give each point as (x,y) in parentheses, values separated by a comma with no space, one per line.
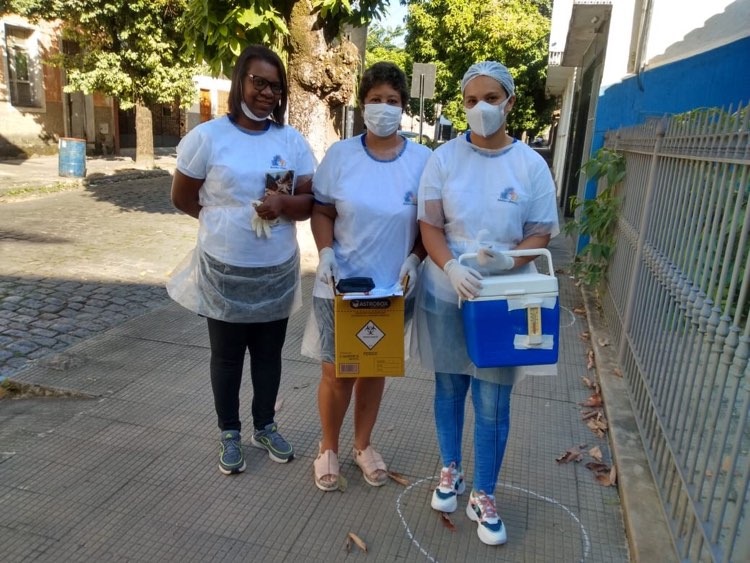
(681,28)
(618,43)
(214,86)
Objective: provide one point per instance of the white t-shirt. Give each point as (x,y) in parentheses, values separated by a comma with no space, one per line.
(501,196)
(234,163)
(376,205)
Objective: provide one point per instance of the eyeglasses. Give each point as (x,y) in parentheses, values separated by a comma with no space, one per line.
(260,84)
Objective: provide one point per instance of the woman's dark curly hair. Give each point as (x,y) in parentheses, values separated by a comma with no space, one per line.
(383,73)
(238,76)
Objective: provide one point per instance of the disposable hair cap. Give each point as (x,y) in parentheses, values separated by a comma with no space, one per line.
(492,69)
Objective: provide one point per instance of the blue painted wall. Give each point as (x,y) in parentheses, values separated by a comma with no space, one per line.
(715,78)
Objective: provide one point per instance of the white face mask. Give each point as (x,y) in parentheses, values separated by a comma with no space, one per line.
(485,119)
(249,114)
(382,119)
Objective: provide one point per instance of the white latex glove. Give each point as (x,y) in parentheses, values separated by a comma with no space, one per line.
(328,269)
(494,260)
(262,227)
(409,268)
(466,281)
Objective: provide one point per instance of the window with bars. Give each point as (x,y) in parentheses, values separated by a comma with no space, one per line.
(23,67)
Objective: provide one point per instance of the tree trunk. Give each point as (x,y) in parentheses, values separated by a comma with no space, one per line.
(144,136)
(322,77)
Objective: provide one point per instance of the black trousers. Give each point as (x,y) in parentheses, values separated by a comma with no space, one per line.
(229,341)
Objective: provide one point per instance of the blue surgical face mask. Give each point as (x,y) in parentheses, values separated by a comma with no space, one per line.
(382,119)
(485,119)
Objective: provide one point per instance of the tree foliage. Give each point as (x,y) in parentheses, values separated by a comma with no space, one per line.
(453,34)
(381,46)
(127,49)
(322,63)
(216,31)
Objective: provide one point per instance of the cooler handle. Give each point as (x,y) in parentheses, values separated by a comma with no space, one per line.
(523,252)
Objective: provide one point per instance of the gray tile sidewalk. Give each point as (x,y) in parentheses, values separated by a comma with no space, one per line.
(132,476)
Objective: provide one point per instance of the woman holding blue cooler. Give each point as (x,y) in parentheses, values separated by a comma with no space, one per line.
(481,193)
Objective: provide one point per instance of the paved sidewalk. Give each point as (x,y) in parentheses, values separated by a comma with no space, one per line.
(133,476)
(126,469)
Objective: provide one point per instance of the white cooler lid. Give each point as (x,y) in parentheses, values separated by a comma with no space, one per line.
(509,285)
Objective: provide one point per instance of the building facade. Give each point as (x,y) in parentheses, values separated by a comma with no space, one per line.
(615,63)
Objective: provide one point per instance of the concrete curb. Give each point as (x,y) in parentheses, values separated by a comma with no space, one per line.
(649,538)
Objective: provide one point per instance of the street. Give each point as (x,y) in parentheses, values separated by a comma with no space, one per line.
(79,262)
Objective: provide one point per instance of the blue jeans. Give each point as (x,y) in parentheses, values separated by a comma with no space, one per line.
(492,424)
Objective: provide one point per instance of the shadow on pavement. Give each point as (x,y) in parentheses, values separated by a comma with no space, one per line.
(133,190)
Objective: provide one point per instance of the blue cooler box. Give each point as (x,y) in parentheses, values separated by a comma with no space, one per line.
(515,320)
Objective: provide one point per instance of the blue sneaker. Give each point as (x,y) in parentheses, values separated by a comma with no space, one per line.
(231,458)
(481,509)
(451,484)
(269,439)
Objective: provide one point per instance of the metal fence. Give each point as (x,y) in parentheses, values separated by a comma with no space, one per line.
(678,301)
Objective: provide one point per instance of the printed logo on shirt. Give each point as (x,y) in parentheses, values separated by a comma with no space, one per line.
(278,162)
(410,198)
(508,195)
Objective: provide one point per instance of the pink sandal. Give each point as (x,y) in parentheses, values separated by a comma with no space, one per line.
(374,469)
(326,471)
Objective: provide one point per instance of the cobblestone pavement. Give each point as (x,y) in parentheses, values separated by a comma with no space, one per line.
(77,263)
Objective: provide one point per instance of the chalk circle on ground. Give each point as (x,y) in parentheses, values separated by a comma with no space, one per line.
(584,534)
(572,320)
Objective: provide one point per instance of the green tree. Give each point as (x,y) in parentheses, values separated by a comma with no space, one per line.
(130,50)
(453,34)
(322,63)
(381,46)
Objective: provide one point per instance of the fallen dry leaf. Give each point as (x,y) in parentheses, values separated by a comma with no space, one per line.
(592,426)
(603,473)
(447,522)
(585,336)
(607,479)
(580,311)
(598,425)
(591,361)
(603,342)
(596,453)
(357,541)
(571,454)
(617,372)
(594,401)
(400,479)
(597,467)
(587,382)
(585,415)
